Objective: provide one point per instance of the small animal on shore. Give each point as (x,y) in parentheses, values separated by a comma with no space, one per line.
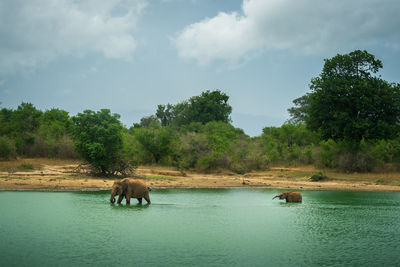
(291,196)
(130,188)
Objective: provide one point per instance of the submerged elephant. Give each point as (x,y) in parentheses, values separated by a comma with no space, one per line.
(291,196)
(130,188)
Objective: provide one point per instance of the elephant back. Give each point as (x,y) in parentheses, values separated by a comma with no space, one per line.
(137,188)
(294,196)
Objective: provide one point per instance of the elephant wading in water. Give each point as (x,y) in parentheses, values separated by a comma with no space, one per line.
(291,196)
(130,188)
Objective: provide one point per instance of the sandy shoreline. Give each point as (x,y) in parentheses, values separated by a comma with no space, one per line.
(56,175)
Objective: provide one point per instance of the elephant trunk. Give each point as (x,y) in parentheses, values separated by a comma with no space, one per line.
(275,197)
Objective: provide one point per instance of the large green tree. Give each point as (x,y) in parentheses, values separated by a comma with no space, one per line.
(348,101)
(209,106)
(98,139)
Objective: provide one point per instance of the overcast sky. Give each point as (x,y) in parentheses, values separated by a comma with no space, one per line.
(130,56)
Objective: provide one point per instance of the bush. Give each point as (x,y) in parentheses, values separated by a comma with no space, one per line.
(290,144)
(319,176)
(271,148)
(248,156)
(357,161)
(328,154)
(52,147)
(158,144)
(352,157)
(193,146)
(27,166)
(219,145)
(66,148)
(7,148)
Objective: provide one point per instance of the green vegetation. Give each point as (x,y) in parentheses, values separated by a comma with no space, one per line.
(355,113)
(207,107)
(29,132)
(349,103)
(98,140)
(27,166)
(348,121)
(320,176)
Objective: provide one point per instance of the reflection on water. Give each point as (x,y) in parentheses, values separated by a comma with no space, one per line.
(200,227)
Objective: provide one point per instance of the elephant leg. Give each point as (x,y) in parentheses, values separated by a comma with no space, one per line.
(140,200)
(128,200)
(120,198)
(147,197)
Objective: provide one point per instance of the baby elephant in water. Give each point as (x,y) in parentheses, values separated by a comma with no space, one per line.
(291,196)
(130,188)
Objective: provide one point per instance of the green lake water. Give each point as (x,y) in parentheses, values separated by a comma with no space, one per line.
(202,227)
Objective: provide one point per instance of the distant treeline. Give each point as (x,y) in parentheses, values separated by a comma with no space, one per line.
(349,120)
(29,132)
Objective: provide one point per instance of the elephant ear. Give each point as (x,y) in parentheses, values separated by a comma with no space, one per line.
(124,186)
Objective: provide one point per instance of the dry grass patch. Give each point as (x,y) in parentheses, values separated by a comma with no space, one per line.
(390,178)
(158,177)
(26,164)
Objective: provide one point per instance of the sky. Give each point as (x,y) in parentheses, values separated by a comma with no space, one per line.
(131,55)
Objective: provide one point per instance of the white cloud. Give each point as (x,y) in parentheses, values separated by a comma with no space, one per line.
(37,31)
(301,26)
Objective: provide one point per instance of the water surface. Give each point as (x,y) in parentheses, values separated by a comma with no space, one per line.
(206,227)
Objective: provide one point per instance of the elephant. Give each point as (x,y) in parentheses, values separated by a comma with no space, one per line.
(291,196)
(130,188)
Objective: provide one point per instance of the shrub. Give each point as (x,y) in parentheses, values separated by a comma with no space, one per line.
(350,157)
(319,176)
(26,166)
(157,143)
(356,161)
(248,155)
(328,154)
(66,148)
(7,148)
(290,144)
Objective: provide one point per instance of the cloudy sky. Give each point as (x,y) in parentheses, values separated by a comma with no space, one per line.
(130,56)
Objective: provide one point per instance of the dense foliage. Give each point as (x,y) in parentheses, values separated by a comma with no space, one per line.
(349,121)
(28,131)
(348,102)
(354,111)
(98,140)
(209,106)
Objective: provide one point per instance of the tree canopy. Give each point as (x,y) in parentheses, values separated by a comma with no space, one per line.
(209,106)
(298,113)
(98,139)
(349,102)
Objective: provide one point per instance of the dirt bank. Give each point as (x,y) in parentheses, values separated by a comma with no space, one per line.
(45,174)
